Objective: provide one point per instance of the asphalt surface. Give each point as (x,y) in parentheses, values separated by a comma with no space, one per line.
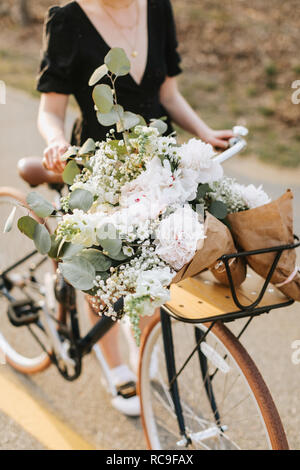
(84,405)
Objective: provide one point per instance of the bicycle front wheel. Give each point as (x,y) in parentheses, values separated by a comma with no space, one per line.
(225,402)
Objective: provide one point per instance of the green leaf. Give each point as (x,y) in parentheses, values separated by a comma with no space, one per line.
(41,238)
(111,118)
(70,153)
(79,272)
(99,73)
(69,250)
(218,209)
(27,226)
(103,98)
(81,199)
(119,257)
(97,259)
(53,252)
(108,239)
(160,125)
(87,148)
(129,120)
(142,120)
(202,190)
(117,62)
(71,170)
(10,220)
(39,205)
(103,274)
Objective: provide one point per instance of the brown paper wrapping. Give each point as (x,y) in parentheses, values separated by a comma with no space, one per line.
(264,227)
(238,269)
(218,242)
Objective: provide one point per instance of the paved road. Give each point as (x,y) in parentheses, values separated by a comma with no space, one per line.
(82,409)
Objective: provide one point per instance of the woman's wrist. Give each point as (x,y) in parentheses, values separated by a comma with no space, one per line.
(203,132)
(58,139)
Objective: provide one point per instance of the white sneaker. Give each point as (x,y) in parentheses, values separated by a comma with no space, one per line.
(127,406)
(117,381)
(126,401)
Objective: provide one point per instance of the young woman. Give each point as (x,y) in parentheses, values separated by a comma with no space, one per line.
(77,38)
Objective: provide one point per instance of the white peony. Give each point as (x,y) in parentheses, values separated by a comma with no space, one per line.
(161,186)
(253,196)
(199,156)
(179,236)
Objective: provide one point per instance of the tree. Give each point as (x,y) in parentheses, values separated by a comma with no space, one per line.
(18,10)
(22,13)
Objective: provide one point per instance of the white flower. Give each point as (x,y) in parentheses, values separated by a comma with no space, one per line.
(127,250)
(79,228)
(253,196)
(179,236)
(199,156)
(152,282)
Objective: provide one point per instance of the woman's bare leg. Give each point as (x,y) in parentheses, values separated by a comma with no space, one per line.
(109,343)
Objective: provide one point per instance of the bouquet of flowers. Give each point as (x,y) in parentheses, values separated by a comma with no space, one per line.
(141,211)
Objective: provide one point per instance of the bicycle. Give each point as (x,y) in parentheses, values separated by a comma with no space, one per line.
(190,331)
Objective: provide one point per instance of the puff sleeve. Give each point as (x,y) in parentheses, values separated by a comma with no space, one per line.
(60,53)
(173,58)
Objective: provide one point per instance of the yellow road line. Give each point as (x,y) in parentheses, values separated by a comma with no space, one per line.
(37,420)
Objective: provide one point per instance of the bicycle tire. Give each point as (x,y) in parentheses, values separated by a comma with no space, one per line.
(265,403)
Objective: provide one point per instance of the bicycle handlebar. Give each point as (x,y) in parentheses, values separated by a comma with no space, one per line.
(237,143)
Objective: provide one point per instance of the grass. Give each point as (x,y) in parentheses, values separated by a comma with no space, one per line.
(229,78)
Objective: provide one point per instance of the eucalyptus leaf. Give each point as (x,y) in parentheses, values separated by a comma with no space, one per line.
(41,238)
(129,120)
(160,125)
(87,148)
(117,61)
(218,209)
(71,170)
(103,274)
(202,190)
(10,220)
(112,246)
(27,226)
(81,199)
(53,252)
(108,239)
(69,250)
(99,73)
(39,204)
(103,98)
(119,257)
(142,120)
(97,259)
(70,153)
(111,118)
(79,272)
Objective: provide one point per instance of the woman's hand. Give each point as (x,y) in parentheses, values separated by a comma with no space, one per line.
(218,139)
(52,155)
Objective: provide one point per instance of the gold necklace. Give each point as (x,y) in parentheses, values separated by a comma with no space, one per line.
(118,8)
(118,24)
(134,52)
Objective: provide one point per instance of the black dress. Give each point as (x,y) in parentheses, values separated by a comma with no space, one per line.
(73,49)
